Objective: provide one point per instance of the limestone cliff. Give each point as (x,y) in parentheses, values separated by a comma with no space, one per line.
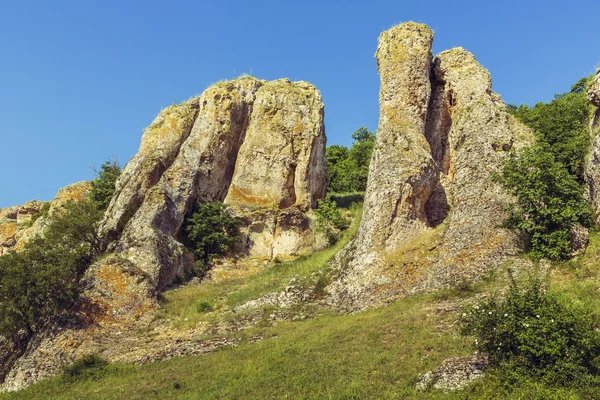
(431,210)
(250,143)
(592,172)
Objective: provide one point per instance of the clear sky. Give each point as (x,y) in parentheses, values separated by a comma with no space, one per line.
(79,80)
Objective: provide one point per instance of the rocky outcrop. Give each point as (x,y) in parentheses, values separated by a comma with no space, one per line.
(432,211)
(454,374)
(259,146)
(281,162)
(253,144)
(14,221)
(592,173)
(16,226)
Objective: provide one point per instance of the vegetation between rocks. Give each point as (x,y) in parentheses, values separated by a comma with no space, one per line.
(547,179)
(210,231)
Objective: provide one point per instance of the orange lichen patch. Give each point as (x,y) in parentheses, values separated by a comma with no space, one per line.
(7,231)
(476,251)
(76,192)
(299,127)
(245,196)
(117,297)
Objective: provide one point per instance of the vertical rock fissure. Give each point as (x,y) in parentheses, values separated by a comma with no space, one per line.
(437,129)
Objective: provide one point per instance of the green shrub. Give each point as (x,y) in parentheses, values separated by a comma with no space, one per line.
(330,219)
(103,187)
(549,201)
(210,231)
(88,362)
(536,333)
(41,282)
(204,307)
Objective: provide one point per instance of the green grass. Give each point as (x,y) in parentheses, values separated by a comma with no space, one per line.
(377,354)
(180,305)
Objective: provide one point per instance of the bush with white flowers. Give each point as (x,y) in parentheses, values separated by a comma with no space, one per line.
(536,332)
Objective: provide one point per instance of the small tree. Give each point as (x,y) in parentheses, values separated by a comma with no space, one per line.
(41,282)
(103,187)
(348,168)
(210,231)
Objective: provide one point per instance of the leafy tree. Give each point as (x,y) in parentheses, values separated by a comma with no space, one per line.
(562,127)
(103,187)
(349,168)
(330,219)
(41,282)
(210,231)
(549,201)
(548,179)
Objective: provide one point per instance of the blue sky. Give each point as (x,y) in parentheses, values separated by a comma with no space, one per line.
(79,80)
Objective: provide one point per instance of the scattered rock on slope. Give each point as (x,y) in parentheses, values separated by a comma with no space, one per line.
(431,210)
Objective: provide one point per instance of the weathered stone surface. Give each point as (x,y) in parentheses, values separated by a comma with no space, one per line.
(431,211)
(402,173)
(281,162)
(454,374)
(159,147)
(593,92)
(15,222)
(201,172)
(592,173)
(580,237)
(265,137)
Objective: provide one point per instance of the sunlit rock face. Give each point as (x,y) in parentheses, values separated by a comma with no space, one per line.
(432,212)
(250,143)
(592,173)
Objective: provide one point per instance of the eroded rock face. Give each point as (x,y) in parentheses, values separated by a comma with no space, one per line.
(593,92)
(16,228)
(592,172)
(281,162)
(246,142)
(14,221)
(431,210)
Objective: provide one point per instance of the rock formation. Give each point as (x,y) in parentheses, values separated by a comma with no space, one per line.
(257,145)
(431,211)
(15,222)
(593,167)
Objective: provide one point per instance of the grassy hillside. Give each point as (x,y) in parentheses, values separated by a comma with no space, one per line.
(377,354)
